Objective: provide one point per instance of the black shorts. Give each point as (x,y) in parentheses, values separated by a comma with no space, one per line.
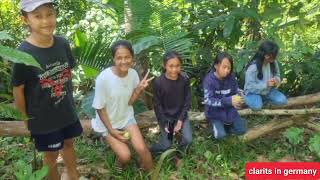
(53,141)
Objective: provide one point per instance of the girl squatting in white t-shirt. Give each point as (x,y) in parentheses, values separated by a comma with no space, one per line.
(117,87)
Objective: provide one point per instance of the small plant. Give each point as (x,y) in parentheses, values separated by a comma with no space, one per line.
(23,171)
(156,171)
(314,144)
(294,135)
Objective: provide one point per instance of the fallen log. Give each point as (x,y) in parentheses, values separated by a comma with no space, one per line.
(245,112)
(313,126)
(148,119)
(273,125)
(18,128)
(301,100)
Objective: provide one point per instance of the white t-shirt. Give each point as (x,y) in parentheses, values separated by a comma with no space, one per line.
(113,93)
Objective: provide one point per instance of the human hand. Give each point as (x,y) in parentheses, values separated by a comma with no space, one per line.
(145,82)
(237,101)
(271,82)
(178,126)
(118,135)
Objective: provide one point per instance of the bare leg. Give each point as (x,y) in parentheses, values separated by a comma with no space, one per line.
(140,147)
(121,150)
(50,159)
(69,159)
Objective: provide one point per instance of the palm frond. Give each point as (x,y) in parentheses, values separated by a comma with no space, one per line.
(166,35)
(92,53)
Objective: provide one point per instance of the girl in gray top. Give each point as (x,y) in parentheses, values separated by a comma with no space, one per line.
(263,77)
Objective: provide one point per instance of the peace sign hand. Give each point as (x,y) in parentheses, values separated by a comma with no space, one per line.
(145,82)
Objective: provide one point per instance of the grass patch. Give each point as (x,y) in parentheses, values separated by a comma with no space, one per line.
(206,159)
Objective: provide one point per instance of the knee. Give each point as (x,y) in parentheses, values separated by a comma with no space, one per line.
(255,106)
(50,158)
(254,102)
(124,157)
(142,150)
(281,100)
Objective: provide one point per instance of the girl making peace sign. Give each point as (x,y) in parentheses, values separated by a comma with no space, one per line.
(117,87)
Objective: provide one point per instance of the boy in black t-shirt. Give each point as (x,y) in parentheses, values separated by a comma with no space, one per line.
(45,95)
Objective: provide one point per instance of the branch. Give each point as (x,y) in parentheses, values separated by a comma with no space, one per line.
(272,112)
(271,126)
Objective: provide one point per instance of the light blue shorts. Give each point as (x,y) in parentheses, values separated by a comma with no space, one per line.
(130,122)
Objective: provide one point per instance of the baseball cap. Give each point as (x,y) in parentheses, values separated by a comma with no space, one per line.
(31,5)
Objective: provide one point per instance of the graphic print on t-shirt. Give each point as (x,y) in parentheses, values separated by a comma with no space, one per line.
(54,78)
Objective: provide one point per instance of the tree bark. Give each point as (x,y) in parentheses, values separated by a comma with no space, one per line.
(127,17)
(301,100)
(148,119)
(313,126)
(272,126)
(272,112)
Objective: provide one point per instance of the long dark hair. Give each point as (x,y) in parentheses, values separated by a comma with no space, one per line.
(266,48)
(218,59)
(121,43)
(169,55)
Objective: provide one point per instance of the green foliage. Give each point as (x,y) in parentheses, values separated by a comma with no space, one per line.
(5,36)
(10,22)
(314,144)
(86,105)
(95,54)
(18,56)
(9,112)
(24,171)
(294,135)
(156,171)
(15,56)
(10,54)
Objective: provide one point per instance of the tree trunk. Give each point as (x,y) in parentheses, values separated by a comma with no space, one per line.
(254,31)
(127,17)
(142,61)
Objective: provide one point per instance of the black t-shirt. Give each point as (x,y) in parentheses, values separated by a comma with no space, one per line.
(172,98)
(48,92)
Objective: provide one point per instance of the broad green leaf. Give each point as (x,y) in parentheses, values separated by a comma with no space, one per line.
(156,171)
(228,26)
(16,56)
(40,174)
(90,72)
(252,13)
(145,43)
(208,155)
